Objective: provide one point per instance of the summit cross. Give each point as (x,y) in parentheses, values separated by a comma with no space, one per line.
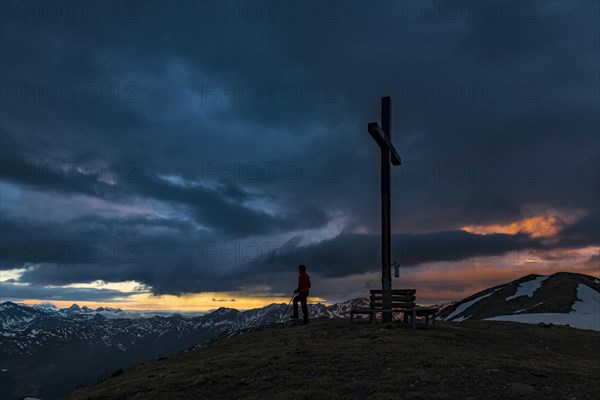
(383,136)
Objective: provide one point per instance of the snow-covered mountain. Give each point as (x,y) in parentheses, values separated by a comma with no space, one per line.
(79,341)
(18,316)
(25,329)
(563,298)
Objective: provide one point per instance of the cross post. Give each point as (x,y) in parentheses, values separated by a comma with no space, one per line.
(383,137)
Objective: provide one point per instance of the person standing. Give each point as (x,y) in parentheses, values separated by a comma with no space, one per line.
(301,293)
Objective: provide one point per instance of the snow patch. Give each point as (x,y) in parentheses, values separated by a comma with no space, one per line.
(528,308)
(588,301)
(585,312)
(466,305)
(528,288)
(579,321)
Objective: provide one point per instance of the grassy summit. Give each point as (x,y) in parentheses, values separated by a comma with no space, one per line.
(331,359)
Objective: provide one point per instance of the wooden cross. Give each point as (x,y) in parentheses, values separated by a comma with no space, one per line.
(383,137)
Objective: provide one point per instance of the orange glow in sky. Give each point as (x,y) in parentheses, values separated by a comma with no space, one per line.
(534,226)
(186,302)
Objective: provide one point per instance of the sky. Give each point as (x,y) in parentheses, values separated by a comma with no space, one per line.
(189,155)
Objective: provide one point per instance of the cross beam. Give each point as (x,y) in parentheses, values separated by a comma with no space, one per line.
(383,141)
(383,137)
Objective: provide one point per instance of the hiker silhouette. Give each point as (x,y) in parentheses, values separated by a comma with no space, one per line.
(301,293)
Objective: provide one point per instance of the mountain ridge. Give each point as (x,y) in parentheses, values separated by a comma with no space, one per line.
(48,339)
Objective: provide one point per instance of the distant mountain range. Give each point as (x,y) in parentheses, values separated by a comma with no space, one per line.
(46,351)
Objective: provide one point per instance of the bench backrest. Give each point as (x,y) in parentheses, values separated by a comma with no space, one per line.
(399,298)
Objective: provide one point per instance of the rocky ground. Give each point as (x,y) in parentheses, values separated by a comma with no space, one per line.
(332,359)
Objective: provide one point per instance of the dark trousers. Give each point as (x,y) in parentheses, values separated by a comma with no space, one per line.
(301,297)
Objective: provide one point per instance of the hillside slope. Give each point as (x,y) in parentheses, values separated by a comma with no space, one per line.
(561,298)
(330,358)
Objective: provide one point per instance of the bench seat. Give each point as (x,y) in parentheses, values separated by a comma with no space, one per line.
(400,300)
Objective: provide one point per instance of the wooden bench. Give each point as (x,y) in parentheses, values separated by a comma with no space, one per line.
(401,300)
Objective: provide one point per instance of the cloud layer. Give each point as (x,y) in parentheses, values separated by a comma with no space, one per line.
(188,147)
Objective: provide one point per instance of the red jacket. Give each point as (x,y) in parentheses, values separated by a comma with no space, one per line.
(303,282)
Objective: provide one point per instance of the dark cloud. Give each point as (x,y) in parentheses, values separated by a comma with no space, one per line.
(200,125)
(173,257)
(14,291)
(585,232)
(351,254)
(220,208)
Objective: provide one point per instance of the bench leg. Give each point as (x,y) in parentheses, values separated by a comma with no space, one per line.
(372,318)
(351,317)
(426,319)
(414,319)
(433,320)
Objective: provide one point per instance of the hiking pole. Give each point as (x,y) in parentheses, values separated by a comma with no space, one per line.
(288,307)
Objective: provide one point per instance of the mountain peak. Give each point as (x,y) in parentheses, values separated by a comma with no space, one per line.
(8,305)
(110,309)
(45,306)
(74,307)
(558,298)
